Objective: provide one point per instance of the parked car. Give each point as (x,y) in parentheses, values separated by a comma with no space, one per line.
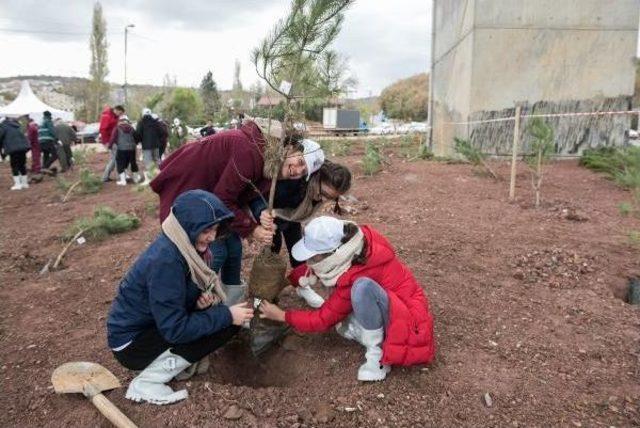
(382,129)
(89,134)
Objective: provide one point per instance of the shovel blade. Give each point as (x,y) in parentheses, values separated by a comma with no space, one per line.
(73,378)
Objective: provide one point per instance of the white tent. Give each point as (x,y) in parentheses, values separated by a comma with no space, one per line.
(27,103)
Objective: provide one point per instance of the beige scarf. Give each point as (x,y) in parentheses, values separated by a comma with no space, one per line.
(204,277)
(309,205)
(331,268)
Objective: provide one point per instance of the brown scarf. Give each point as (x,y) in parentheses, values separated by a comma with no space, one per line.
(204,277)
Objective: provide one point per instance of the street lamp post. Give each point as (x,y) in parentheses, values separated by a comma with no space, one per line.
(126,30)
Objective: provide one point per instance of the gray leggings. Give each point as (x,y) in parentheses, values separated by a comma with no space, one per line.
(370,303)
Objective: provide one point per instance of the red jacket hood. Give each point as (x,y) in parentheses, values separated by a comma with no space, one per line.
(379,249)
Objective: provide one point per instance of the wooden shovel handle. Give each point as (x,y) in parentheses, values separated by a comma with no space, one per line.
(111,412)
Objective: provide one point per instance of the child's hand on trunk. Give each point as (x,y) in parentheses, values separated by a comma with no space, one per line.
(271,311)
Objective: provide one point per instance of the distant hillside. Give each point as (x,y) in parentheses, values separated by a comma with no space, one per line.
(68,93)
(407,99)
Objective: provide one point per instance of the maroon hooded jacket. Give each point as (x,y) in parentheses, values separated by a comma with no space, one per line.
(225,164)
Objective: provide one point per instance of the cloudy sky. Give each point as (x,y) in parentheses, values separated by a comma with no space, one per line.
(384,40)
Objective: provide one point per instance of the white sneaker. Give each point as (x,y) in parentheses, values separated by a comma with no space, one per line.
(24,181)
(312,298)
(150,386)
(136,177)
(147,179)
(122,181)
(351,329)
(372,370)
(17,183)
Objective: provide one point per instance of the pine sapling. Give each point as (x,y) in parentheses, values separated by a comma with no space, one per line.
(474,155)
(541,150)
(103,223)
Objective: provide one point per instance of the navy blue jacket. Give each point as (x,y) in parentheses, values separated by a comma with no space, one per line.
(157,292)
(12,140)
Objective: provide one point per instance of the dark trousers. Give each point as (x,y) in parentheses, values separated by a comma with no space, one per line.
(50,154)
(291,231)
(148,345)
(227,258)
(18,161)
(124,158)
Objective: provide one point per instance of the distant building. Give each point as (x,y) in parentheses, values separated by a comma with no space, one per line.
(552,55)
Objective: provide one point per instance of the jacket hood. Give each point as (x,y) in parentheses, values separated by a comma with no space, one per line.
(252,130)
(379,249)
(197,210)
(126,128)
(11,123)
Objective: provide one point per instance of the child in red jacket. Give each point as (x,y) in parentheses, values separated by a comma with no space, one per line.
(376,302)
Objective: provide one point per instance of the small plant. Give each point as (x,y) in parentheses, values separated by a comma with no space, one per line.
(372,160)
(474,155)
(621,165)
(424,153)
(87,183)
(625,208)
(342,148)
(634,237)
(103,223)
(541,147)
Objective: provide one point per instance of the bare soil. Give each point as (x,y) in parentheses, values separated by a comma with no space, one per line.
(528,306)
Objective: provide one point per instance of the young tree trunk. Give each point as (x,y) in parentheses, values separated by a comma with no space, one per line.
(538,178)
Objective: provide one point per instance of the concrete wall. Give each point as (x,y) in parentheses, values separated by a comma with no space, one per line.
(551,54)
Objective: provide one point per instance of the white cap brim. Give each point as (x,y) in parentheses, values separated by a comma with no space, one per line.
(302,253)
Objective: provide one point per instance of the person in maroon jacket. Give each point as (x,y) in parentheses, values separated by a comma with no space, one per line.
(32,136)
(377,301)
(230,165)
(108,122)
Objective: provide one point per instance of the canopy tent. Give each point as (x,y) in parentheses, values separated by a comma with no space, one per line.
(27,103)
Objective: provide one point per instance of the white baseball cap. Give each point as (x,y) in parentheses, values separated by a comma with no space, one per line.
(322,235)
(146,111)
(313,156)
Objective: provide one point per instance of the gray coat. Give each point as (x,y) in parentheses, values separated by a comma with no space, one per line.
(65,133)
(125,137)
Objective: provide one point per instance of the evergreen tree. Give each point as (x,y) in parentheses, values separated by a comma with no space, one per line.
(210,95)
(98,88)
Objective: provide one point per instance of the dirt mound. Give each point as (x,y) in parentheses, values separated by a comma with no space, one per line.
(553,267)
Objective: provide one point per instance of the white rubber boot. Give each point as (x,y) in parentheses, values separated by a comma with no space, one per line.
(17,183)
(373,370)
(24,181)
(136,177)
(146,179)
(309,295)
(351,329)
(122,180)
(150,386)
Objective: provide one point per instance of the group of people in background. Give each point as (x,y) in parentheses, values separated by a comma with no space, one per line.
(118,134)
(48,142)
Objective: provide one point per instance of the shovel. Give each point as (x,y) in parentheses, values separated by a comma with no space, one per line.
(91,379)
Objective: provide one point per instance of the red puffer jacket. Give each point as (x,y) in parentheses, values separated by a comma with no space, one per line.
(409,336)
(108,122)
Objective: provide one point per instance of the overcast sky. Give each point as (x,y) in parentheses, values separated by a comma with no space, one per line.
(384,40)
